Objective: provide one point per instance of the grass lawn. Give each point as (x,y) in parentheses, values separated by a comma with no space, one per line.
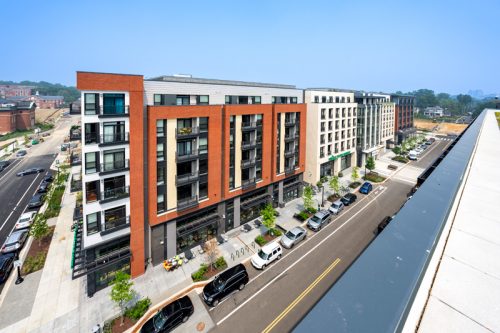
(497,114)
(374,177)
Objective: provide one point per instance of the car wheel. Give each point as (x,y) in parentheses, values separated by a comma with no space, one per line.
(279,256)
(242,286)
(185,318)
(215,302)
(264,266)
(291,246)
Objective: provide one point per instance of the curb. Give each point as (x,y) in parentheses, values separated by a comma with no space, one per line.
(160,305)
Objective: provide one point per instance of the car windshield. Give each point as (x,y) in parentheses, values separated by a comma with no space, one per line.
(290,235)
(262,254)
(219,283)
(315,219)
(335,205)
(159,320)
(24,219)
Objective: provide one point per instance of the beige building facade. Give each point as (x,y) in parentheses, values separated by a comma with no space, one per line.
(331,132)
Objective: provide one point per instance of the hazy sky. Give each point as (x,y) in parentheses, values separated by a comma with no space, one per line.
(450,46)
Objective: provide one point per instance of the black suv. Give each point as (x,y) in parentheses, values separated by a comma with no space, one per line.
(225,283)
(170,316)
(36,201)
(3,165)
(6,265)
(348,199)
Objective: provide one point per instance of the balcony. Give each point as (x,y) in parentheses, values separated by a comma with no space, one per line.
(289,122)
(246,145)
(289,170)
(188,202)
(187,132)
(186,178)
(186,156)
(248,183)
(289,153)
(113,139)
(91,196)
(250,126)
(113,111)
(91,138)
(112,225)
(115,166)
(114,194)
(289,138)
(245,164)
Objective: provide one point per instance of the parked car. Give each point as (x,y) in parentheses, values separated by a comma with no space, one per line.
(21,153)
(43,188)
(429,142)
(412,155)
(234,278)
(319,219)
(6,265)
(48,178)
(4,165)
(169,317)
(15,241)
(366,188)
(25,220)
(266,255)
(336,207)
(381,226)
(36,201)
(418,150)
(348,199)
(30,171)
(292,237)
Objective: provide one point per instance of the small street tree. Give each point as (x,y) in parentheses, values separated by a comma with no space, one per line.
(39,229)
(268,217)
(355,174)
(212,252)
(334,184)
(307,196)
(370,163)
(122,292)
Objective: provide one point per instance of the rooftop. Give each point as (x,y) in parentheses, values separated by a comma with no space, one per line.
(189,79)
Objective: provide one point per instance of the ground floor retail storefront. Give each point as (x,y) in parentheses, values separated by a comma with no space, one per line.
(336,164)
(176,236)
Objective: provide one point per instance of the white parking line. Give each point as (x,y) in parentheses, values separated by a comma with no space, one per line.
(296,262)
(14,209)
(10,168)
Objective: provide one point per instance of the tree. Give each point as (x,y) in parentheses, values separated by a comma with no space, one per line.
(370,163)
(334,184)
(307,196)
(122,292)
(355,174)
(268,217)
(39,229)
(212,252)
(397,150)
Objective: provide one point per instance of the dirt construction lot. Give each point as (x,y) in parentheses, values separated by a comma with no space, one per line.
(42,115)
(441,128)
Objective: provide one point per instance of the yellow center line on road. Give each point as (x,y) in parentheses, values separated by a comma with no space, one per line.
(301,296)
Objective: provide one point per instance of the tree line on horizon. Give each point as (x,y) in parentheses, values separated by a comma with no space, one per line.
(44,88)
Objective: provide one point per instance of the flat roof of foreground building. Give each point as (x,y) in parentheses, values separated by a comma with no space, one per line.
(435,267)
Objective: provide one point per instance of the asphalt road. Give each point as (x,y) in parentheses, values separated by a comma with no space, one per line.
(277,298)
(430,154)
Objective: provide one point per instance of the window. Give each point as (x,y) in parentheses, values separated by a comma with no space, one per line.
(203,148)
(203,190)
(184,148)
(316,99)
(113,103)
(160,174)
(92,191)
(182,100)
(91,163)
(202,100)
(91,133)
(160,152)
(157,99)
(114,160)
(113,132)
(160,128)
(160,203)
(203,124)
(91,103)
(92,223)
(323,113)
(203,167)
(115,217)
(293,100)
(242,99)
(256,100)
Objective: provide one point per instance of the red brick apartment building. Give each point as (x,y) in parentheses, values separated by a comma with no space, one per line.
(173,161)
(403,120)
(16,116)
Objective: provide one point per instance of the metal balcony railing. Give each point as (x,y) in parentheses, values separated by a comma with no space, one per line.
(186,203)
(186,178)
(251,182)
(186,156)
(115,166)
(248,163)
(115,138)
(115,193)
(187,132)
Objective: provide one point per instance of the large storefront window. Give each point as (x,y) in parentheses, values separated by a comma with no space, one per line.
(252,204)
(105,276)
(326,169)
(345,162)
(290,194)
(196,229)
(229,215)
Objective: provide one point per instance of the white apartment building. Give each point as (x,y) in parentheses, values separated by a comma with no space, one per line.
(375,124)
(331,132)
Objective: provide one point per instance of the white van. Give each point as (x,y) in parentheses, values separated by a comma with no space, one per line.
(266,255)
(412,155)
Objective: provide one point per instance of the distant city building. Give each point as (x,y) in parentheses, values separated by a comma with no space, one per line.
(331,132)
(18,115)
(433,111)
(375,124)
(11,90)
(48,102)
(403,122)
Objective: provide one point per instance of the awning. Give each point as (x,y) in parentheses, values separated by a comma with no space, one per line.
(333,157)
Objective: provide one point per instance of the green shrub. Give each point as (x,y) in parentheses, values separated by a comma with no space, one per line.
(375,178)
(340,174)
(312,210)
(400,159)
(319,183)
(333,197)
(199,275)
(220,263)
(139,309)
(276,232)
(260,240)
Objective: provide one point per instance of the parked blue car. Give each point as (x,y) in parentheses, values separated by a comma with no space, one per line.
(366,188)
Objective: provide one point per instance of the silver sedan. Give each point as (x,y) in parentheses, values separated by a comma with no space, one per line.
(292,237)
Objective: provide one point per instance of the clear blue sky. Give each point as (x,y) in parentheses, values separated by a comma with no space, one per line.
(449,46)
